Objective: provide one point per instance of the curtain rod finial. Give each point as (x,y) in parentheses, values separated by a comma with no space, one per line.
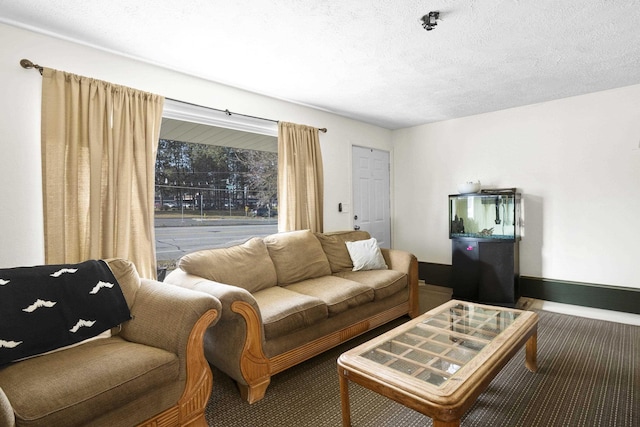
(25,63)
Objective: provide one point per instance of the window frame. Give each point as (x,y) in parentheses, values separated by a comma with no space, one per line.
(184,111)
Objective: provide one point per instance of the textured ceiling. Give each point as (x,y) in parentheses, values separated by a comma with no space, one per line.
(370,60)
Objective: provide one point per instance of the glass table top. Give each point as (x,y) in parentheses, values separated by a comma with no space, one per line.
(436,347)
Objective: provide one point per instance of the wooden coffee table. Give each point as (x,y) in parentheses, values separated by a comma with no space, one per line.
(440,362)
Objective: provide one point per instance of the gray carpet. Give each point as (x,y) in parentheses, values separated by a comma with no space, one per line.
(588,375)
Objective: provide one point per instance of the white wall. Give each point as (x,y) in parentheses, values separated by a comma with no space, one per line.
(20,176)
(576,161)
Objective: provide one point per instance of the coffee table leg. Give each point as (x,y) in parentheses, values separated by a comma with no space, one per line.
(344,397)
(532,353)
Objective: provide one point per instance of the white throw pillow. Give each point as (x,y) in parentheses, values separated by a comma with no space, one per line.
(366,255)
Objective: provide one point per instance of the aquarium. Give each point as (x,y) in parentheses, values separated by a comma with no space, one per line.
(489,214)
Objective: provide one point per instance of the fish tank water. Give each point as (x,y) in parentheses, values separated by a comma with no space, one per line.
(487,215)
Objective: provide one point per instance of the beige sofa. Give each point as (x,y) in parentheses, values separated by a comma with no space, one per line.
(290,296)
(151,370)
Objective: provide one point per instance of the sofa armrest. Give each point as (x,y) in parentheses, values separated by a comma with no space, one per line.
(397,259)
(405,262)
(7,417)
(176,319)
(235,344)
(226,294)
(163,316)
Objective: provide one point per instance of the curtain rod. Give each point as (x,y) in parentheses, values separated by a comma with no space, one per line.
(229,113)
(25,63)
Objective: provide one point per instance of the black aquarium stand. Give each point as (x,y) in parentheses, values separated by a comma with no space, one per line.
(486,271)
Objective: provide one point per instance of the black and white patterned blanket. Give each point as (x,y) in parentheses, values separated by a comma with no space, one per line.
(46,307)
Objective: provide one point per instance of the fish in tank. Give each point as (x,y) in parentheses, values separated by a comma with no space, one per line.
(489,214)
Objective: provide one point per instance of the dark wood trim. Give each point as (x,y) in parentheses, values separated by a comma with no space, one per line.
(607,297)
(617,298)
(435,274)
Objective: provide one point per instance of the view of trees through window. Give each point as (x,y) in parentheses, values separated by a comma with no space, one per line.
(211,196)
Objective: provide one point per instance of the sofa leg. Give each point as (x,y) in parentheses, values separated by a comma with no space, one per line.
(255,392)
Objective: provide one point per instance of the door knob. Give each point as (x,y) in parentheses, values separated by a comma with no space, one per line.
(356,227)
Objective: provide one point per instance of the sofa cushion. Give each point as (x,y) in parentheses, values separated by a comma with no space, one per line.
(284,311)
(383,282)
(335,249)
(336,252)
(77,385)
(48,307)
(366,255)
(338,294)
(247,265)
(297,255)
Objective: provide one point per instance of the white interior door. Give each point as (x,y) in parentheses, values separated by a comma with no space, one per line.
(371,193)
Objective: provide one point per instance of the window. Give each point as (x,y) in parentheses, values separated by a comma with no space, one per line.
(216,181)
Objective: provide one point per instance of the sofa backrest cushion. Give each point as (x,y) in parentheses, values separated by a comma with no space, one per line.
(247,266)
(48,307)
(297,255)
(335,249)
(127,276)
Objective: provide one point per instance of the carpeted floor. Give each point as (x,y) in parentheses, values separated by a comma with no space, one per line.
(588,375)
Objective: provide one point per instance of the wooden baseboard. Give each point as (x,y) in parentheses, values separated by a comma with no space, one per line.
(616,298)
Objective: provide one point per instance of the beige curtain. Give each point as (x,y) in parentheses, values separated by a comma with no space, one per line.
(300,178)
(99,144)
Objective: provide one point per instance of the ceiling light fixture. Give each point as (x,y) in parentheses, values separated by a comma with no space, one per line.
(429,20)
